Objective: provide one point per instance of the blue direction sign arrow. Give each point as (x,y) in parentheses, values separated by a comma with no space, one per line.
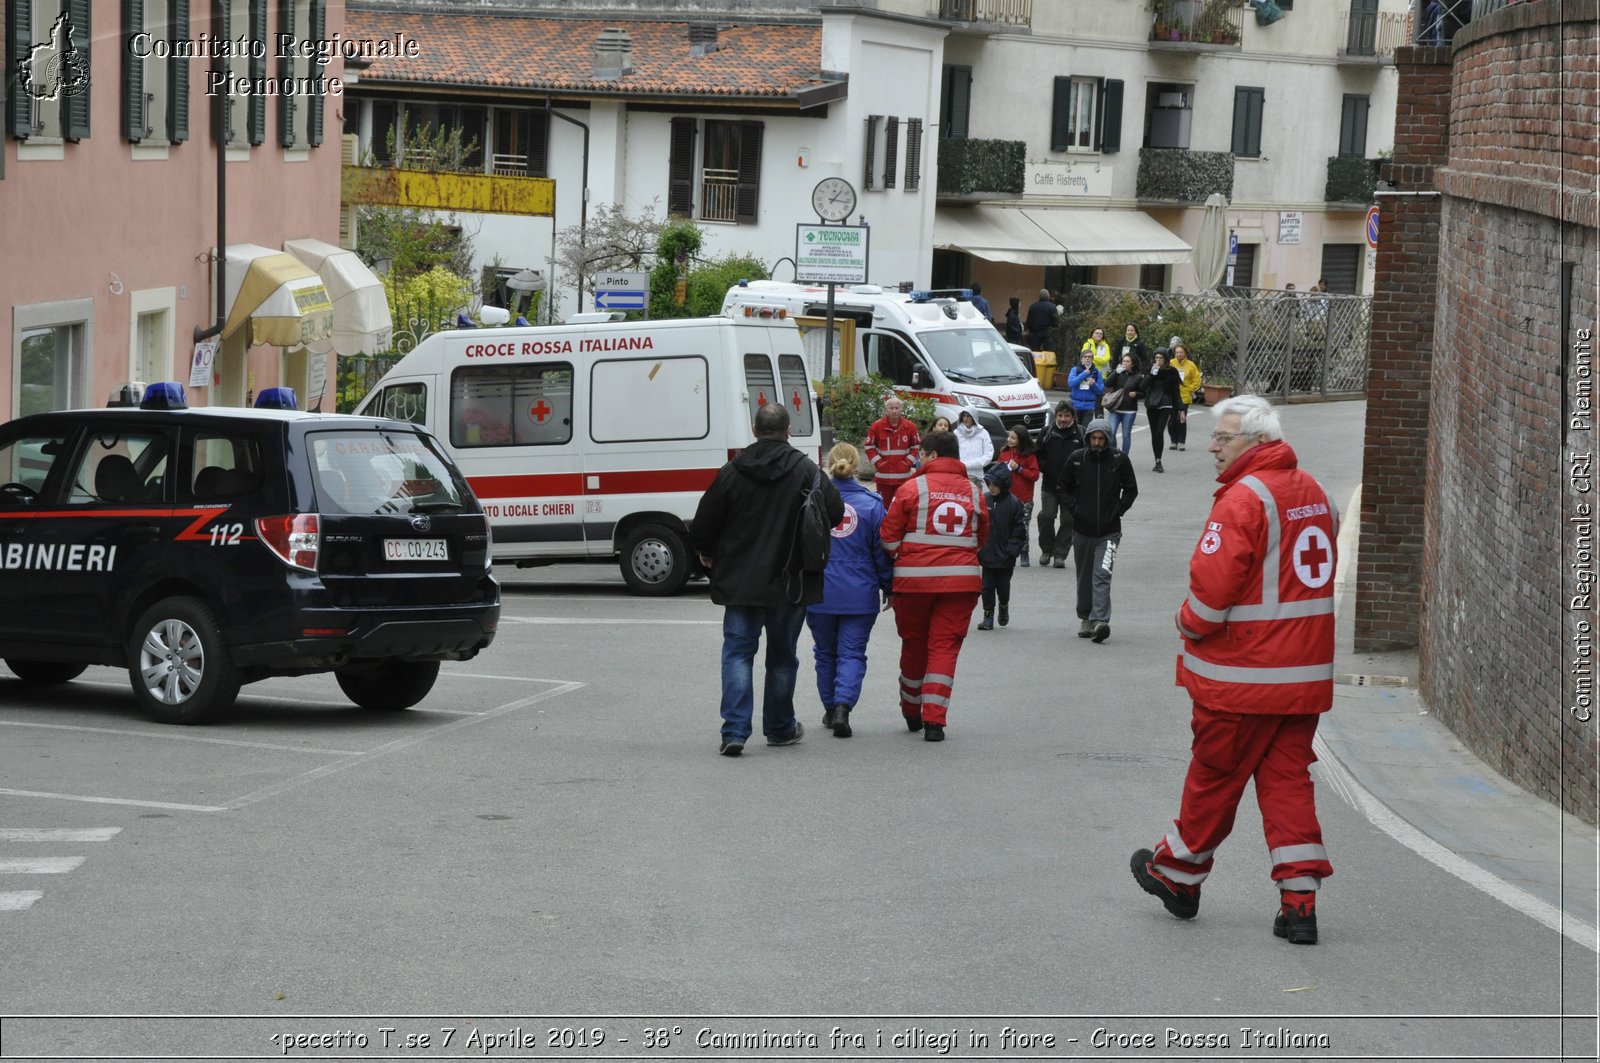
(609,300)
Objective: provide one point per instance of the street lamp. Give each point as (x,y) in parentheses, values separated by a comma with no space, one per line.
(527,280)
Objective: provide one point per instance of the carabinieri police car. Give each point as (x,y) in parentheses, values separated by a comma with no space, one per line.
(206,548)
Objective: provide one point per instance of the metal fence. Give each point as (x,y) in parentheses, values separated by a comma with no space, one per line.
(413,323)
(1264,341)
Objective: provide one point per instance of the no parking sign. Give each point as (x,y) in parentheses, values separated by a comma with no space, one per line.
(1372,227)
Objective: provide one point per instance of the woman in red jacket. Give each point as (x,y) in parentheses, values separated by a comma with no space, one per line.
(1021,458)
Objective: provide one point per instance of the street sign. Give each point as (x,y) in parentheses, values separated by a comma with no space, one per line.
(205,352)
(1289,222)
(621,291)
(830,254)
(1372,226)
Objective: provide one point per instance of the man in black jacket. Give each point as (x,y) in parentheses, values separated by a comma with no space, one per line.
(1057,444)
(1040,320)
(745,533)
(1099,487)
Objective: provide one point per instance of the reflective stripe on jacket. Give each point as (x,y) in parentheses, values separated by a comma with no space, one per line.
(892,451)
(934,529)
(1257,626)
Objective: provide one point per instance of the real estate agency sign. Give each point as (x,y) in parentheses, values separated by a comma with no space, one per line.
(830,254)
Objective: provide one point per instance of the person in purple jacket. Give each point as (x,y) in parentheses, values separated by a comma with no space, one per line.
(857,579)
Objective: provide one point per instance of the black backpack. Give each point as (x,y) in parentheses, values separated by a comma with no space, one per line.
(813,535)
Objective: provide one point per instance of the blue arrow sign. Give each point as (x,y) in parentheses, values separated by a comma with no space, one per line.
(610,300)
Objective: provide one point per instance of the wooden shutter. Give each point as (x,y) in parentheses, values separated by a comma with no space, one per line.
(256,103)
(75,106)
(538,142)
(1353,126)
(177,73)
(1247,105)
(870,151)
(1108,138)
(135,115)
(289,100)
(19,40)
(680,168)
(913,154)
(1061,115)
(891,150)
(225,99)
(749,199)
(957,102)
(317,31)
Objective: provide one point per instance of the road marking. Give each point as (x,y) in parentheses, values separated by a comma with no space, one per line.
(1386,820)
(391,747)
(508,678)
(62,834)
(113,801)
(17,900)
(179,737)
(601,620)
(38,865)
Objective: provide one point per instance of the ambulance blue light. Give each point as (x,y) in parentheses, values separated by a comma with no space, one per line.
(522,321)
(919,296)
(167,395)
(964,293)
(277,399)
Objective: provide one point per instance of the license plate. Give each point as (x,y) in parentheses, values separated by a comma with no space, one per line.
(415,550)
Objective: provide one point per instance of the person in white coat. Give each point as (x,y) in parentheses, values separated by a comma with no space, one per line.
(977,449)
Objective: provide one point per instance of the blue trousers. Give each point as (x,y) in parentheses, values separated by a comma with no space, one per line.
(742,626)
(841,655)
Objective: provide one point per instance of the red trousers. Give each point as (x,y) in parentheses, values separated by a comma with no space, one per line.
(932,628)
(1229,750)
(887,489)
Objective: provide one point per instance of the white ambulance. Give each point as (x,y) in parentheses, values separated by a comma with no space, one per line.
(933,345)
(593,441)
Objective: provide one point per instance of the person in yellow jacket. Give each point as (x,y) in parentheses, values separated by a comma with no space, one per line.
(1189,380)
(1096,345)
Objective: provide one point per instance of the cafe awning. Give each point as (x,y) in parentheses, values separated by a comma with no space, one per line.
(361,321)
(1043,236)
(278,298)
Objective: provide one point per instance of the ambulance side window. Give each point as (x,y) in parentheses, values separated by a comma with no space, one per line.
(796,393)
(511,405)
(760,388)
(890,356)
(403,402)
(121,467)
(25,464)
(633,400)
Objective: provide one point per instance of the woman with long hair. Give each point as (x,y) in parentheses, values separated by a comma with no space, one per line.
(1020,457)
(1161,386)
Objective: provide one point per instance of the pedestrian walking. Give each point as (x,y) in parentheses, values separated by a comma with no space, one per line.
(892,444)
(1099,487)
(1257,661)
(1132,344)
(934,530)
(745,532)
(1007,542)
(1123,392)
(1085,386)
(1014,331)
(1189,381)
(1041,318)
(1060,439)
(1021,459)
(981,304)
(1161,386)
(977,448)
(855,583)
(1099,350)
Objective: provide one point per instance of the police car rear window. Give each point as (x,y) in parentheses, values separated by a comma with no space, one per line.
(375,472)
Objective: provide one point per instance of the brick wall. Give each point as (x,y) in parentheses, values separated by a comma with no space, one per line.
(1486,573)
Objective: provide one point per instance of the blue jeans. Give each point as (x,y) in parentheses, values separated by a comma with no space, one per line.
(741,633)
(841,649)
(1122,423)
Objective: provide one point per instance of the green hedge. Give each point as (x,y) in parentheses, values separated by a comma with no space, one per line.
(969,166)
(1351,179)
(1184,176)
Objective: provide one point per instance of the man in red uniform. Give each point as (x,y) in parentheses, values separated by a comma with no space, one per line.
(892,449)
(934,530)
(1257,659)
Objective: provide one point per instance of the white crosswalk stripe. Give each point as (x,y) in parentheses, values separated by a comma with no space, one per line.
(21,900)
(16,900)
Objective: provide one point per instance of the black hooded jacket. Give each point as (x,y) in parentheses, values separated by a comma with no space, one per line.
(1055,447)
(746,525)
(1100,488)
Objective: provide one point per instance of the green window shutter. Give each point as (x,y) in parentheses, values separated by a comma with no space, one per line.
(680,168)
(317,31)
(19,39)
(135,114)
(913,154)
(75,105)
(1061,115)
(1247,106)
(956,104)
(288,101)
(225,99)
(178,74)
(1110,138)
(871,152)
(891,150)
(1353,126)
(256,103)
(749,193)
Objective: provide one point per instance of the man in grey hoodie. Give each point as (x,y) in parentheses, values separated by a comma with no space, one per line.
(1099,487)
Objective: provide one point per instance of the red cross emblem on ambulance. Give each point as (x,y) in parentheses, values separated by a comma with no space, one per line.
(539,411)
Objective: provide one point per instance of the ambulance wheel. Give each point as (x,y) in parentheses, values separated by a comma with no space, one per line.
(178,664)
(655,560)
(42,672)
(387,686)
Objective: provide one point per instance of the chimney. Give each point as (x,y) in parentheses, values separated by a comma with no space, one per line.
(702,38)
(613,54)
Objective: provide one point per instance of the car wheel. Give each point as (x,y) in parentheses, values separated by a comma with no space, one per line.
(41,672)
(388,686)
(179,667)
(655,560)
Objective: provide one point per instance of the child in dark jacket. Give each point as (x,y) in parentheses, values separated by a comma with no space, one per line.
(1008,531)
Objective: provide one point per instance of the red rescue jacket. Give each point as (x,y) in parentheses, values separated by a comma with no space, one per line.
(1257,626)
(893,451)
(934,529)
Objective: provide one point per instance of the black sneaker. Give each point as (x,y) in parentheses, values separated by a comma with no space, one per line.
(1059,562)
(1102,631)
(912,725)
(731,749)
(934,732)
(1158,467)
(841,721)
(1185,904)
(1005,615)
(1296,920)
(1086,628)
(791,738)
(1044,561)
(828,716)
(987,623)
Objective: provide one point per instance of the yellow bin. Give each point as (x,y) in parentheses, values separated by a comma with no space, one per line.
(1044,365)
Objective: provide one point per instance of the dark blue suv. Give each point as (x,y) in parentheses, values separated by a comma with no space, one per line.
(206,548)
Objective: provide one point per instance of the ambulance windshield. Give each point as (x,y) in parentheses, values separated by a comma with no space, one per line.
(973,355)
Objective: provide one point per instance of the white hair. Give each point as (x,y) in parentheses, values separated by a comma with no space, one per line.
(1257,416)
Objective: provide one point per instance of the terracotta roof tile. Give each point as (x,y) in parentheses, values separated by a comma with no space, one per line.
(751,61)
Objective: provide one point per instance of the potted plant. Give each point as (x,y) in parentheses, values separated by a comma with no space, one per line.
(1216,390)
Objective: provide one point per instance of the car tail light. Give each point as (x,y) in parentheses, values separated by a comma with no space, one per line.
(296,538)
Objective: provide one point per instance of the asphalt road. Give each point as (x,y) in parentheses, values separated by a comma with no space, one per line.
(551,836)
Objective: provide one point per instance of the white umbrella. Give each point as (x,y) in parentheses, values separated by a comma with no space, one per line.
(1211,246)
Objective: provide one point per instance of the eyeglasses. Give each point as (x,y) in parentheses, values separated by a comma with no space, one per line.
(1225,437)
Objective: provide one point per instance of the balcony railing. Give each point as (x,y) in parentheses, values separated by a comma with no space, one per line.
(1374,35)
(719,195)
(513,164)
(1178,175)
(973,169)
(1001,12)
(1351,179)
(1216,23)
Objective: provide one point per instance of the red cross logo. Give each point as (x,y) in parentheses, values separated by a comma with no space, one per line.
(761,398)
(950,519)
(847,525)
(540,412)
(796,400)
(1313,557)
